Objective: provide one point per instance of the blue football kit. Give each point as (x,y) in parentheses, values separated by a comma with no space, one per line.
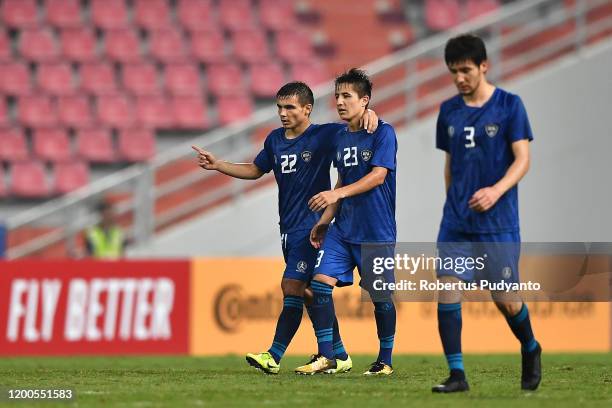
(367,218)
(301,167)
(479,141)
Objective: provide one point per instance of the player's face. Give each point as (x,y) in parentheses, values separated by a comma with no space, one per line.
(348,103)
(467,76)
(292,114)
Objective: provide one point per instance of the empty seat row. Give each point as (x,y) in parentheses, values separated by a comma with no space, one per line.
(167,46)
(145,79)
(91,145)
(30,179)
(149,14)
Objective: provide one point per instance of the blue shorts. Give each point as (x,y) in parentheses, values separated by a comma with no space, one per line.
(497,255)
(299,254)
(338,258)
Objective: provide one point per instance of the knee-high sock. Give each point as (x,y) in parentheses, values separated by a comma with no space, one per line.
(323,315)
(385,315)
(337,345)
(288,323)
(449,327)
(521,327)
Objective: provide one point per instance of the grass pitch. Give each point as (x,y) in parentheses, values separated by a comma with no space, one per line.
(569,380)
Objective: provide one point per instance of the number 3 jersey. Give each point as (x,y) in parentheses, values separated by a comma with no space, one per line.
(479,141)
(301,167)
(370,216)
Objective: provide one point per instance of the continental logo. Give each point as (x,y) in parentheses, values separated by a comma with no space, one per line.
(233,307)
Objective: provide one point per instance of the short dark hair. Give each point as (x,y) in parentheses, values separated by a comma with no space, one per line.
(359,79)
(463,48)
(299,89)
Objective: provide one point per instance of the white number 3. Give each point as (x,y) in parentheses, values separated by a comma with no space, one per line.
(469,136)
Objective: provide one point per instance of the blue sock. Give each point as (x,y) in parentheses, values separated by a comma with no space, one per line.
(323,315)
(521,327)
(449,326)
(337,345)
(288,323)
(384,312)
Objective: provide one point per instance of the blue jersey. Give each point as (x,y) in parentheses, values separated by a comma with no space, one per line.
(479,141)
(367,217)
(301,168)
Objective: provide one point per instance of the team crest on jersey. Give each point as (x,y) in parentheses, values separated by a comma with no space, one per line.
(451,131)
(338,156)
(507,272)
(301,266)
(306,156)
(275,161)
(491,129)
(366,155)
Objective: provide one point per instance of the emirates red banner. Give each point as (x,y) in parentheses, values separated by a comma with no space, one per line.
(92,307)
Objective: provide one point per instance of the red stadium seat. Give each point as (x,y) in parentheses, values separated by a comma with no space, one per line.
(182,79)
(195,15)
(75,111)
(266,79)
(29,180)
(136,144)
(6,54)
(64,13)
(476,8)
(152,14)
(115,110)
(20,13)
(442,14)
(123,45)
(190,112)
(4,115)
(312,73)
(236,14)
(250,46)
(15,79)
(79,44)
(13,146)
(140,79)
(98,78)
(109,14)
(208,46)
(37,111)
(56,78)
(225,79)
(231,108)
(294,46)
(38,45)
(95,145)
(154,112)
(52,144)
(70,176)
(167,45)
(277,14)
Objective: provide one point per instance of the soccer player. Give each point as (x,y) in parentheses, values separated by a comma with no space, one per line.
(300,155)
(363,204)
(485,133)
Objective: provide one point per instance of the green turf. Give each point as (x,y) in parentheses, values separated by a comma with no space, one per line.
(569,380)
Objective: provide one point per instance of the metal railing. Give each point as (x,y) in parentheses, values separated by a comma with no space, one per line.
(528,18)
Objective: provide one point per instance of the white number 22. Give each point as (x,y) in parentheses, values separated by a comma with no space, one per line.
(288,163)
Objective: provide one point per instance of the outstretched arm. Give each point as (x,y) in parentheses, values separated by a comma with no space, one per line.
(246,171)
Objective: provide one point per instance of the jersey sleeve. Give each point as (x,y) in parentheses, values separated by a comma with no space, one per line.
(262,161)
(385,148)
(442,133)
(518,123)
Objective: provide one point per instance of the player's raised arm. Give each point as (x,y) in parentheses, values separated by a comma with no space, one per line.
(246,171)
(317,234)
(447,171)
(487,197)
